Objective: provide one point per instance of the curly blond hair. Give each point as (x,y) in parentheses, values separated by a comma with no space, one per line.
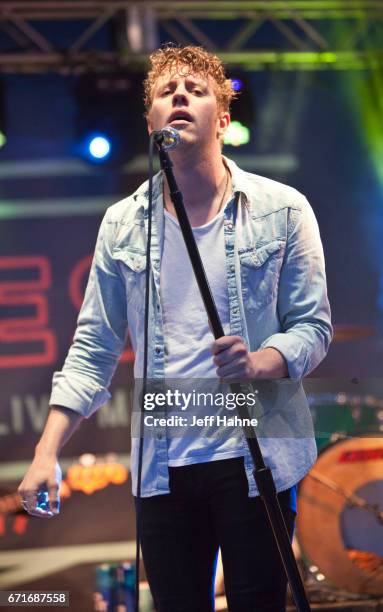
(171,58)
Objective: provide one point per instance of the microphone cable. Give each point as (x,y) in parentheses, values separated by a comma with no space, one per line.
(145,373)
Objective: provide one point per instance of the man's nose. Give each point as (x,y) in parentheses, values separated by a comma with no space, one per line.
(180,98)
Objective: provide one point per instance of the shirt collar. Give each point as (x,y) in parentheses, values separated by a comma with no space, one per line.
(240,183)
(239,178)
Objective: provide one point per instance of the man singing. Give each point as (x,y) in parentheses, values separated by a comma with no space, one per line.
(260,245)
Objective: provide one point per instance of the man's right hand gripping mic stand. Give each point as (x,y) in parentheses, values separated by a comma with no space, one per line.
(165,139)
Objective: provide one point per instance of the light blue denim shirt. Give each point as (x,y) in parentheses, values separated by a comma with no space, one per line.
(277,298)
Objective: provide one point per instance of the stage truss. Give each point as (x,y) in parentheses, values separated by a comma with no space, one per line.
(283,35)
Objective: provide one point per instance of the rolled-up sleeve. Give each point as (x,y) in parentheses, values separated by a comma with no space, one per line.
(101,332)
(303,305)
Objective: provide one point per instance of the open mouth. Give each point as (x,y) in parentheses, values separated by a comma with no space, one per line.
(180,117)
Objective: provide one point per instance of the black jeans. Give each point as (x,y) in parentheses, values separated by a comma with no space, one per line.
(208,507)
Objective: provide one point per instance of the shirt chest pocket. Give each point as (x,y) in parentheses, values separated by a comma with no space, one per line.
(260,269)
(132,265)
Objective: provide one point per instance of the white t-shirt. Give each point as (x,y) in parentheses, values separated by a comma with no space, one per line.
(188,336)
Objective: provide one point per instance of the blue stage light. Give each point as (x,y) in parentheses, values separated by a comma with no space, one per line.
(109,124)
(100,147)
(237,84)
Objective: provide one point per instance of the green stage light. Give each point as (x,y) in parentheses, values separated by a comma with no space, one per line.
(237,134)
(3,137)
(242,110)
(364,91)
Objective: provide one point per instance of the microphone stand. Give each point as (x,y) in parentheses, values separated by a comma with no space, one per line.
(262,474)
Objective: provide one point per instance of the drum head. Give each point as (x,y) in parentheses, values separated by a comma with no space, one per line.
(340,514)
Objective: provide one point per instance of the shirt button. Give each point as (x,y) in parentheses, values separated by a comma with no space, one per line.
(229,226)
(158,350)
(232,268)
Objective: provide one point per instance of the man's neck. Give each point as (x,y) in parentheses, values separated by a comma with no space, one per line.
(203,183)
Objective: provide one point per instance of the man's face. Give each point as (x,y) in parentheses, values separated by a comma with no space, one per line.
(188,103)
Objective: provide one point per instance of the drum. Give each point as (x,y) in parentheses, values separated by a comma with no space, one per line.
(340,515)
(336,415)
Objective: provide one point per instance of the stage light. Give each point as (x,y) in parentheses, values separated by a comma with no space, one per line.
(100,147)
(242,111)
(237,134)
(110,124)
(237,84)
(3,137)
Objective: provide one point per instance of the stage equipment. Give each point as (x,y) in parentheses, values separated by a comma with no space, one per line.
(168,137)
(256,35)
(336,415)
(262,474)
(109,120)
(136,29)
(340,515)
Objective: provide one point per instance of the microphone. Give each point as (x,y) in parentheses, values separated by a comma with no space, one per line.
(168,137)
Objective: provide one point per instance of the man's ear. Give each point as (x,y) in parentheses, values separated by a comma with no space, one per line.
(222,123)
(149,124)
